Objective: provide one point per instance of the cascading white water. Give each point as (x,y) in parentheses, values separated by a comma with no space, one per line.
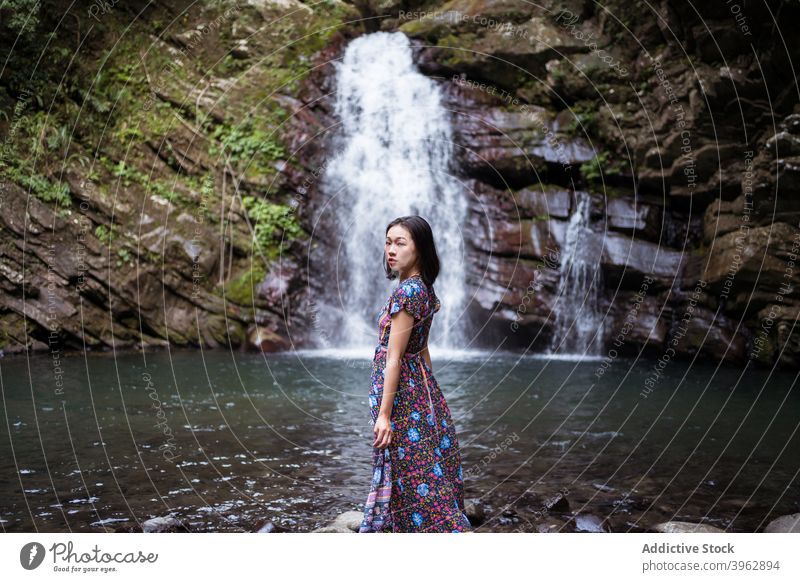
(393,159)
(578,327)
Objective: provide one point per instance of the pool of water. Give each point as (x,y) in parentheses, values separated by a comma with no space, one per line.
(229,441)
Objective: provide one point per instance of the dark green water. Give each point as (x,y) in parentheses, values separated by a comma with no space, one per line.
(285,438)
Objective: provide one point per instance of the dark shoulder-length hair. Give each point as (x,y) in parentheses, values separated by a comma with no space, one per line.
(422,235)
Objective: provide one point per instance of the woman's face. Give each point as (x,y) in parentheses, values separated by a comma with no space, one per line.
(401,253)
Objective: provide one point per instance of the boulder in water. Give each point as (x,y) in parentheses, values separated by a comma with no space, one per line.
(685,527)
(784,524)
(161,525)
(348,522)
(590,523)
(475,511)
(349,519)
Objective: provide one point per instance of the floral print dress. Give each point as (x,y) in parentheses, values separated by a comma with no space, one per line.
(417,481)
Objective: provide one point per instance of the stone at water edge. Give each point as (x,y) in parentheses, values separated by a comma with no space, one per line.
(349,519)
(551,525)
(160,524)
(686,527)
(590,523)
(333,529)
(347,522)
(270,527)
(784,524)
(475,511)
(557,503)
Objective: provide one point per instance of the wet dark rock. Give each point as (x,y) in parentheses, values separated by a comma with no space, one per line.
(551,525)
(475,510)
(261,338)
(269,526)
(556,503)
(513,182)
(333,529)
(162,525)
(590,523)
(625,524)
(350,519)
(492,56)
(347,522)
(505,520)
(784,524)
(634,217)
(527,154)
(685,527)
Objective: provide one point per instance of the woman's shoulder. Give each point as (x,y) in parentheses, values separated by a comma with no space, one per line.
(412,294)
(415,288)
(412,286)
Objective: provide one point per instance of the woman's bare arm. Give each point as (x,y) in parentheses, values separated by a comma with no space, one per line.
(399,334)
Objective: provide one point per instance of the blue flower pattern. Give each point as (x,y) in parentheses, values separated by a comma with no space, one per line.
(427,491)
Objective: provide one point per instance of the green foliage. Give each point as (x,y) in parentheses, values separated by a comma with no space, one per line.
(42,188)
(124,257)
(115,86)
(16,156)
(558,73)
(230,66)
(127,74)
(129,175)
(128,133)
(245,143)
(122,170)
(108,236)
(20,17)
(104,235)
(269,221)
(584,120)
(58,138)
(242,289)
(593,169)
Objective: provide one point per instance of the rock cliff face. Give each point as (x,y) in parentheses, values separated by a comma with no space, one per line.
(147,200)
(656,152)
(678,132)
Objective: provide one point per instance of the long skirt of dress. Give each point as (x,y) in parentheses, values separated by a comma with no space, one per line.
(417,481)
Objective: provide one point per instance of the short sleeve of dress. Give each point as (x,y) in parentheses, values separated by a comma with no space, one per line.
(409,296)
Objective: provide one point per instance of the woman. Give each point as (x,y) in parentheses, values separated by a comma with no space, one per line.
(417,481)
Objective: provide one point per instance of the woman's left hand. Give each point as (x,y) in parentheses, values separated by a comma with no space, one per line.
(383,432)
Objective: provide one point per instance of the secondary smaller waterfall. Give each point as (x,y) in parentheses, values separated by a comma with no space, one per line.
(578,327)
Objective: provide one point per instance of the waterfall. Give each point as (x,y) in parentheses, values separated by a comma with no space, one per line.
(578,327)
(392,158)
